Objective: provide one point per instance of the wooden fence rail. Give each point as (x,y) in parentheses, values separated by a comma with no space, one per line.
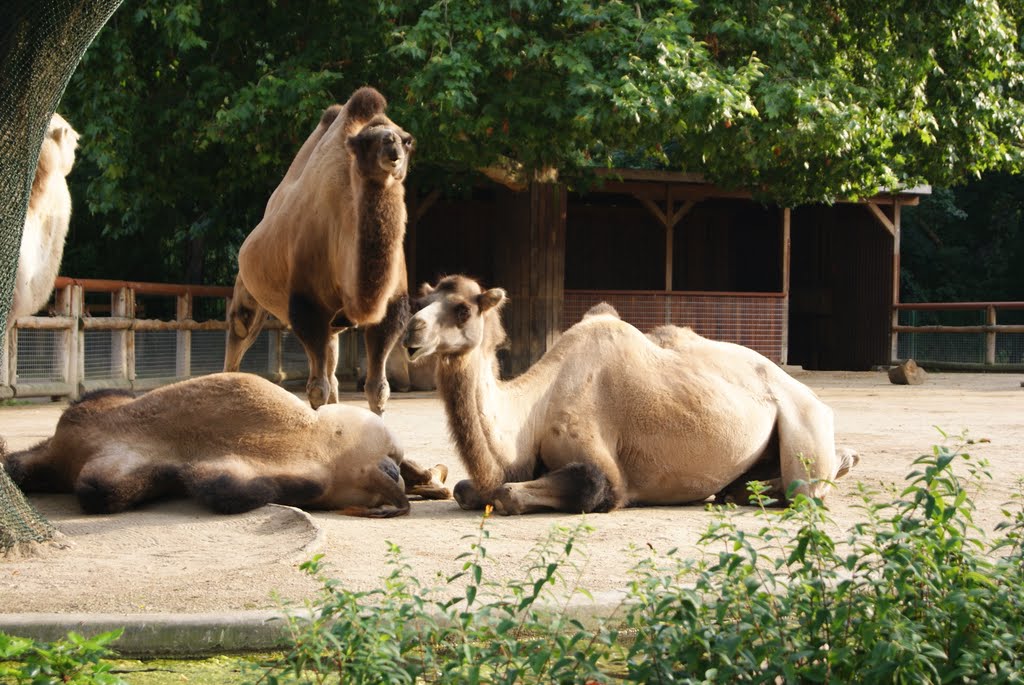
(991,328)
(71,319)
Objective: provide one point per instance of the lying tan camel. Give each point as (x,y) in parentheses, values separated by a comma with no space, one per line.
(328,253)
(610,417)
(46,221)
(234,442)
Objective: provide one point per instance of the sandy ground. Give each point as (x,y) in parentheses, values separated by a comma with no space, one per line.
(176,557)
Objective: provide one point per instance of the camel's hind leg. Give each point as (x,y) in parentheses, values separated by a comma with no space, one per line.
(34,470)
(245,321)
(807,450)
(121,478)
(230,485)
(380,339)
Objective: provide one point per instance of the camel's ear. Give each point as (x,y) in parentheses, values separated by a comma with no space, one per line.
(426,289)
(495,297)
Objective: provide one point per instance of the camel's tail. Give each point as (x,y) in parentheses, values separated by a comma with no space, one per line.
(847,460)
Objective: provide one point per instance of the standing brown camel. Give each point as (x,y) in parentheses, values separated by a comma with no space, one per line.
(610,417)
(328,253)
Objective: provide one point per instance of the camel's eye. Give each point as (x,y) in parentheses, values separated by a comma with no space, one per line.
(462,313)
(407,142)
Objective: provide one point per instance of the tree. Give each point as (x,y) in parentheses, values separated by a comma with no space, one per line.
(802,101)
(191,110)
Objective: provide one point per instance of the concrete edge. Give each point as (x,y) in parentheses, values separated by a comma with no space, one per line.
(151,635)
(201,634)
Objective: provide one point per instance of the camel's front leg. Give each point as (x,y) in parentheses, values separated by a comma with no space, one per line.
(245,320)
(380,339)
(579,488)
(311,323)
(425,483)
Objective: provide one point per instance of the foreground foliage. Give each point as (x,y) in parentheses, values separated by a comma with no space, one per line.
(915,593)
(74,659)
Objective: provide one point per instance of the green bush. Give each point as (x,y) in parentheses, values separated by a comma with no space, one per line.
(915,593)
(74,659)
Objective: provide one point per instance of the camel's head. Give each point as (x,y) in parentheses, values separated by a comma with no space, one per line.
(382,150)
(455,317)
(65,140)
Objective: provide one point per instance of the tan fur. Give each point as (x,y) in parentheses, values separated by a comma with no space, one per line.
(234,441)
(668,418)
(46,222)
(332,236)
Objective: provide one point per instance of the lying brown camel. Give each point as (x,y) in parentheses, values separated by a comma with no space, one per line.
(328,253)
(46,221)
(234,442)
(610,417)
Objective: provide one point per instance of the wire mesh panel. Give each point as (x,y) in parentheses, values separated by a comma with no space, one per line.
(257,359)
(293,355)
(754,321)
(156,354)
(99,355)
(207,351)
(40,356)
(962,348)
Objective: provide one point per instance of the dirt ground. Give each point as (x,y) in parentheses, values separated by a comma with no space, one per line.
(176,557)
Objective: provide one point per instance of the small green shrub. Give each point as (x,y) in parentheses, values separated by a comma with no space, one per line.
(74,659)
(914,593)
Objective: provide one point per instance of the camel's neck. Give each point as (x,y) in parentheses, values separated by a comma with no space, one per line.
(490,421)
(381,220)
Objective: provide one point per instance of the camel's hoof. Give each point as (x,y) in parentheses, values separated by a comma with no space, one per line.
(377,399)
(318,393)
(505,502)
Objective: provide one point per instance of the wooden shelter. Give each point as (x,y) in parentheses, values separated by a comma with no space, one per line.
(812,286)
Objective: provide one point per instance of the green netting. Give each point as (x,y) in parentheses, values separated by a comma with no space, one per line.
(41,43)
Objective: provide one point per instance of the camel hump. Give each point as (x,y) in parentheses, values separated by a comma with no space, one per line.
(602,309)
(364,104)
(329,115)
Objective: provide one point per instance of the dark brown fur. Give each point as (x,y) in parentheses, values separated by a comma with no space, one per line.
(231,441)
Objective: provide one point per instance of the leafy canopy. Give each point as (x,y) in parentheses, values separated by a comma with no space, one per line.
(191,110)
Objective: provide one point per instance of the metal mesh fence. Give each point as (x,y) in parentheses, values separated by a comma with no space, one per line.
(41,43)
(39,357)
(948,347)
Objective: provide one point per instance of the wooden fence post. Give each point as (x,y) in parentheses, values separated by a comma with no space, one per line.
(183,343)
(990,335)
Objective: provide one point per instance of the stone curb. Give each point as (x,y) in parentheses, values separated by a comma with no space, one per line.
(200,634)
(150,635)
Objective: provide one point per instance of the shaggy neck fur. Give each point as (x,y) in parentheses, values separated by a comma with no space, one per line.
(381,217)
(488,419)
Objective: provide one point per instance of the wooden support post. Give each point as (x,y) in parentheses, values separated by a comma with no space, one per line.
(122,362)
(990,335)
(530,245)
(787,217)
(894,342)
(183,346)
(70,351)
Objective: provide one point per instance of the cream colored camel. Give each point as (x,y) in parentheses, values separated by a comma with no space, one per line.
(328,253)
(610,417)
(233,441)
(46,222)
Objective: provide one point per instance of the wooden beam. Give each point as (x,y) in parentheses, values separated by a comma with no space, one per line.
(786,250)
(893,337)
(883,219)
(654,209)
